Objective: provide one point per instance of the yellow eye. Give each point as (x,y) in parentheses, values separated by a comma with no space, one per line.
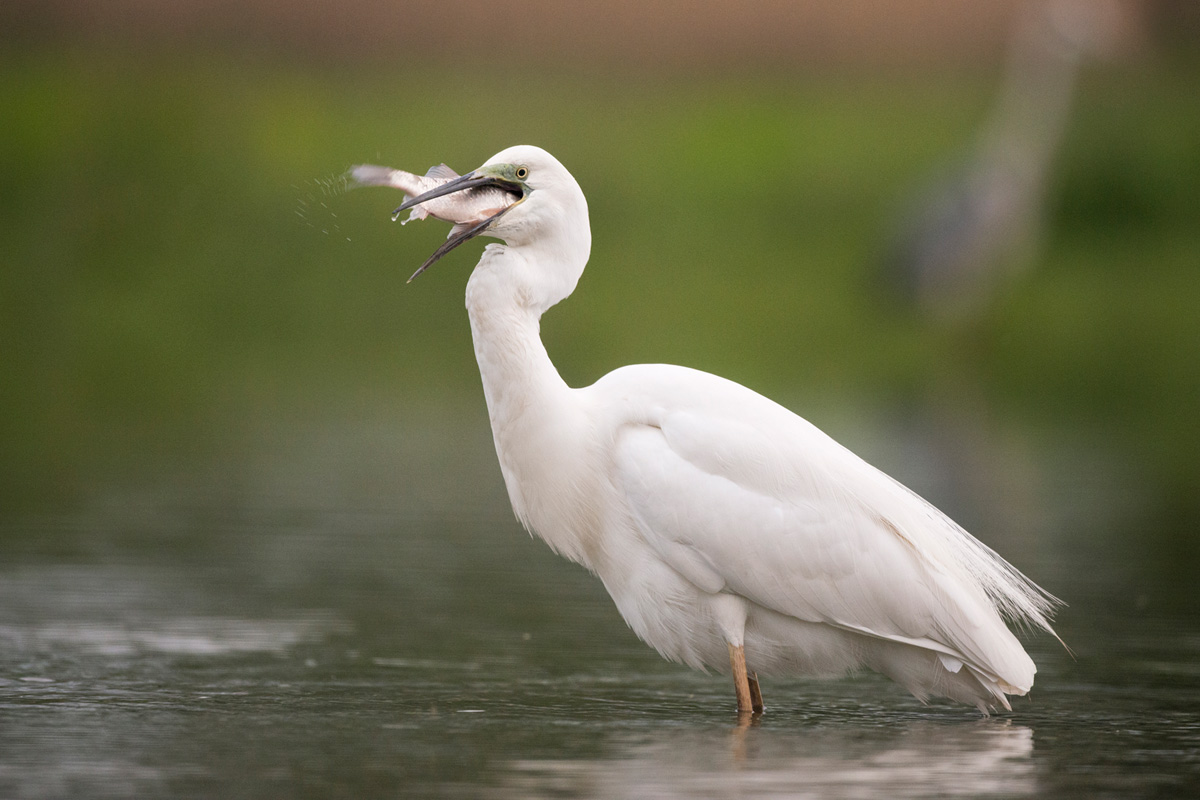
(522,173)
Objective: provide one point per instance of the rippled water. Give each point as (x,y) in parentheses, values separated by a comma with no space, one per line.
(276,638)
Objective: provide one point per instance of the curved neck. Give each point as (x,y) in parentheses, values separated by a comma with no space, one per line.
(533,413)
(516,370)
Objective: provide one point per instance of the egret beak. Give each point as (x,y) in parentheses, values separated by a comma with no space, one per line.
(458,238)
(462,182)
(469,181)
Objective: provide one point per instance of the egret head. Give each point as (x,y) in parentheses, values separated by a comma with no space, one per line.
(548,210)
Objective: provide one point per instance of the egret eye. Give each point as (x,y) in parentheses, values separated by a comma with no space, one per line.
(522,173)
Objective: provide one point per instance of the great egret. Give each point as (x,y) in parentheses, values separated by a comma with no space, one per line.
(725,527)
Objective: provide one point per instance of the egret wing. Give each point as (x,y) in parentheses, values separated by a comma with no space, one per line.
(738,493)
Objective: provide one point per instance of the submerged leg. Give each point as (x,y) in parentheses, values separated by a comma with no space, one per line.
(741,682)
(755,693)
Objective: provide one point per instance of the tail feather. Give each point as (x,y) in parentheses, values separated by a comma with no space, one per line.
(1017,598)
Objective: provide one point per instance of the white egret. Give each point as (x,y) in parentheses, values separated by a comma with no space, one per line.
(727,529)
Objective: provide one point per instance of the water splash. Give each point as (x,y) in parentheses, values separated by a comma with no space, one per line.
(314,205)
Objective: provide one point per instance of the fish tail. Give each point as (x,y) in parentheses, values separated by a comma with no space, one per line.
(372,175)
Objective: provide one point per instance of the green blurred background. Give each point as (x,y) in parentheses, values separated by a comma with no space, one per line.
(182,278)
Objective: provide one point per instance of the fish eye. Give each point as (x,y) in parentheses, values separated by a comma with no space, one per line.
(522,173)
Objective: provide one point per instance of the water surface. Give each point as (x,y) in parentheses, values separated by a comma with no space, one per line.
(270,633)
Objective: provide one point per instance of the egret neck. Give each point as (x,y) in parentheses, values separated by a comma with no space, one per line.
(536,419)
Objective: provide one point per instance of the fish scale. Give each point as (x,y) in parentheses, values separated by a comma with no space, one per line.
(465,207)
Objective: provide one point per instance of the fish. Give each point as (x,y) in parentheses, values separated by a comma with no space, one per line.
(464,208)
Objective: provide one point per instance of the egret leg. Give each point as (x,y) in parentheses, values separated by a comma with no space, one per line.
(741,681)
(755,693)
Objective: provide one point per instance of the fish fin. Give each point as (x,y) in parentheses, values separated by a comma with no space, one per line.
(441,172)
(460,227)
(418,213)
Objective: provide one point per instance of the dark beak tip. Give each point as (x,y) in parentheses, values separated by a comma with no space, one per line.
(453,242)
(468,181)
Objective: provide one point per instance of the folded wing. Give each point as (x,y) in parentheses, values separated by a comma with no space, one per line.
(740,495)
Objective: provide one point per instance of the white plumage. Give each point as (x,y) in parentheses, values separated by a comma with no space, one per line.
(727,529)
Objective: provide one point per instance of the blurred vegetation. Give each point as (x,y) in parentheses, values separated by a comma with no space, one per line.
(178,267)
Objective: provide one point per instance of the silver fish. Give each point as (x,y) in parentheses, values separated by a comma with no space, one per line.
(461,208)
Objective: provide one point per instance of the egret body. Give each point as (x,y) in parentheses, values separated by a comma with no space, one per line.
(727,529)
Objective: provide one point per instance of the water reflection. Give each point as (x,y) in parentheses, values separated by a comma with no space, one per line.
(923,759)
(120,611)
(192,636)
